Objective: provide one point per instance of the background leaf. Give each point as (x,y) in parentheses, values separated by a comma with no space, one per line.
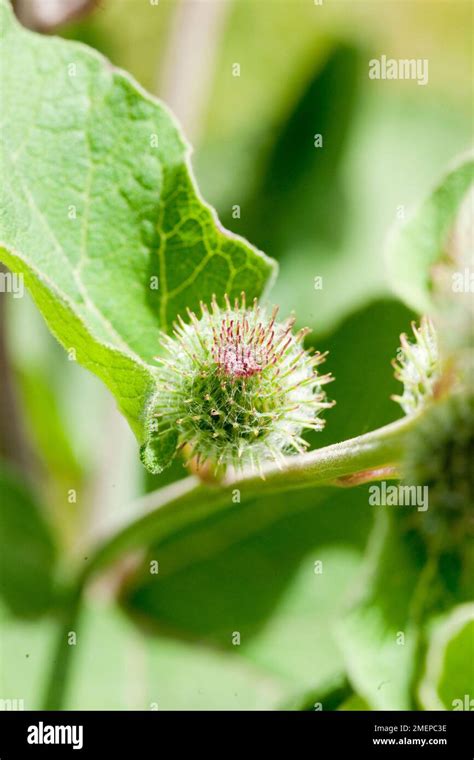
(132,672)
(404,586)
(27,550)
(47,427)
(265,584)
(449,675)
(354,703)
(300,183)
(331,207)
(379,635)
(101,213)
(419,244)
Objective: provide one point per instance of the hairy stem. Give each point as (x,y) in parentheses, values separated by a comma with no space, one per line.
(180,504)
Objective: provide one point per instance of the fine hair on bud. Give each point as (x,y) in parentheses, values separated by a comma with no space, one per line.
(417,366)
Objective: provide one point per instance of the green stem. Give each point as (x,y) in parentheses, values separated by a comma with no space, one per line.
(190,500)
(367,457)
(55,693)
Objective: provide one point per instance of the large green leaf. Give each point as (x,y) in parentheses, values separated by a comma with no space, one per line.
(419,245)
(27,550)
(100,211)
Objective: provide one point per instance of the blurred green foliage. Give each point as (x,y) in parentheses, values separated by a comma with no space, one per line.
(449,666)
(27,549)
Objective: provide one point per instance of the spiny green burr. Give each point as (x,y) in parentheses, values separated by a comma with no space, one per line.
(236,387)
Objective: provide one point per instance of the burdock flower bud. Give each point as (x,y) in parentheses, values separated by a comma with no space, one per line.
(417,366)
(236,388)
